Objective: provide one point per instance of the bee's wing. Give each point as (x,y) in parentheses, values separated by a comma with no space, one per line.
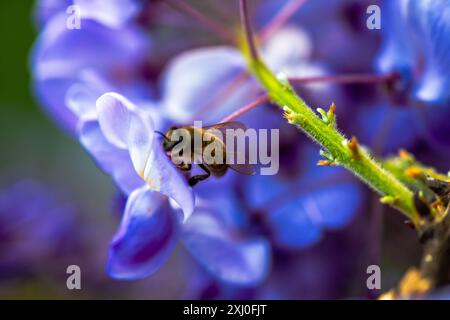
(246,167)
(222,127)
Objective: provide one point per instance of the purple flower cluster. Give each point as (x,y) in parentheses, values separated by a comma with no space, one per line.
(416,46)
(36,227)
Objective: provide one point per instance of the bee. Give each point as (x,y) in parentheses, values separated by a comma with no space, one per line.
(209,135)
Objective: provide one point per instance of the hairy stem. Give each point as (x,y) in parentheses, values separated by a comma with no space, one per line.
(343,152)
(339,150)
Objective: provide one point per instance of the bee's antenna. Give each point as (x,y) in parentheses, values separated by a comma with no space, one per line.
(161,134)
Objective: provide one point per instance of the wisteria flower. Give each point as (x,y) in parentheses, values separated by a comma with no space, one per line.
(228,254)
(297,209)
(111,13)
(35,224)
(122,140)
(62,56)
(378,123)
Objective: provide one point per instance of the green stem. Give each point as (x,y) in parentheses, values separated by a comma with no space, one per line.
(339,149)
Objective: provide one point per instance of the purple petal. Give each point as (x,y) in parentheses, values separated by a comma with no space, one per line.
(433,89)
(82,95)
(194,79)
(161,175)
(127,127)
(257,192)
(293,226)
(397,53)
(228,259)
(298,223)
(117,115)
(111,160)
(112,13)
(59,51)
(59,56)
(36,221)
(335,206)
(146,236)
(287,47)
(51,95)
(46,9)
(431,19)
(388,121)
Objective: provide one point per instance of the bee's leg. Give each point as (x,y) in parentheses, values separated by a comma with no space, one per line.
(195,179)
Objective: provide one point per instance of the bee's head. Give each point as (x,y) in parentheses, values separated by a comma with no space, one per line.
(168,144)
